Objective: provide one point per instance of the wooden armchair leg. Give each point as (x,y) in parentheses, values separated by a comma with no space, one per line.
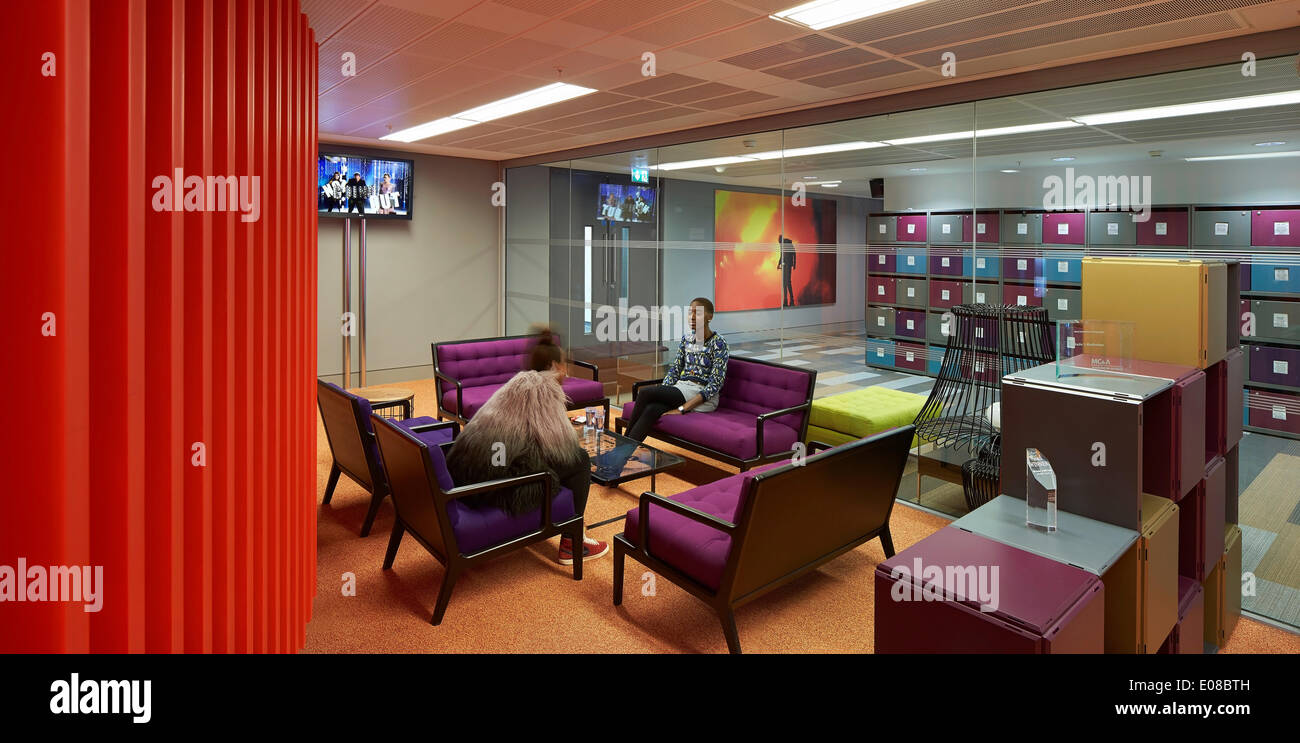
(334,480)
(728,618)
(887,542)
(444,592)
(398,530)
(375,500)
(618,573)
(579,549)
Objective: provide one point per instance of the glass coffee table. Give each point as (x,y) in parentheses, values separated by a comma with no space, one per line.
(646,461)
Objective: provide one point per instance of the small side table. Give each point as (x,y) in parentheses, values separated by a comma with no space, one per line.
(387,399)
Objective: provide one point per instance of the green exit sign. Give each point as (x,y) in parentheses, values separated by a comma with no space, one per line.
(640,175)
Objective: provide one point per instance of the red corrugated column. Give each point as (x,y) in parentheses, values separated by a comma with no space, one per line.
(162,421)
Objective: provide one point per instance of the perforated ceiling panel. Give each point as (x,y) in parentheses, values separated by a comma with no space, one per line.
(716,60)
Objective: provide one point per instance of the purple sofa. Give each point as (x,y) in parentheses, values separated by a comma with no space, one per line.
(762,411)
(429,508)
(735,539)
(468,372)
(352,443)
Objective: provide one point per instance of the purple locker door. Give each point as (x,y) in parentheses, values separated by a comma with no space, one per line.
(1173,443)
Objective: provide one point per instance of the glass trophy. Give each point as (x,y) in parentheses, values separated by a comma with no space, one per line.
(1040,492)
(1092,347)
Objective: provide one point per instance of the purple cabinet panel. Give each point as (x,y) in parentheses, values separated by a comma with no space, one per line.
(983,228)
(1173,433)
(1020,263)
(945,260)
(1200,525)
(1023,295)
(1043,606)
(1275,364)
(1275,228)
(910,323)
(945,293)
(1278,411)
(1166,227)
(1063,228)
(882,259)
(882,289)
(911,355)
(911,228)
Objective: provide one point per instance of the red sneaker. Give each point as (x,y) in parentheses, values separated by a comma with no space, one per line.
(591,549)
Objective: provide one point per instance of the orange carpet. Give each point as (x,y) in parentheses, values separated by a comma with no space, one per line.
(527,602)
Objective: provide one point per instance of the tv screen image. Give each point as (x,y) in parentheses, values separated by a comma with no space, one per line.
(619,203)
(349,185)
(781,257)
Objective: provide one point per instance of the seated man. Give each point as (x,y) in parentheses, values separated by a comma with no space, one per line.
(691,384)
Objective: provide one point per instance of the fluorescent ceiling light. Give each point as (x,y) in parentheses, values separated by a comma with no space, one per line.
(917,170)
(527,101)
(1045,126)
(539,98)
(1063,159)
(1251,156)
(821,14)
(820,149)
(829,185)
(705,163)
(1191,109)
(996,132)
(931,138)
(1009,170)
(429,129)
(1268,144)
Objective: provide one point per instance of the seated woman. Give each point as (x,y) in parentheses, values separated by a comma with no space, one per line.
(691,384)
(527,417)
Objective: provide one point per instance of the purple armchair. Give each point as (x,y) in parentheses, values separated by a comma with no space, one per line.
(468,372)
(429,507)
(352,443)
(733,540)
(762,411)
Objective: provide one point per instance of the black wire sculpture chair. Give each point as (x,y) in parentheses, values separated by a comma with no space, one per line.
(981,476)
(987,342)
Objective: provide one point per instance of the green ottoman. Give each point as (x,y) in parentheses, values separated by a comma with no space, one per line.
(848,416)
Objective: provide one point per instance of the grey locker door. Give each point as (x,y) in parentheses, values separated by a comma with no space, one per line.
(912,293)
(940,222)
(1111,228)
(1221,227)
(1021,228)
(882,229)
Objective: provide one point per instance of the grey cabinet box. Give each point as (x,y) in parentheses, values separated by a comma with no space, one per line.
(940,222)
(1276,320)
(1022,228)
(880,320)
(1063,304)
(936,324)
(882,229)
(981,293)
(1111,228)
(1221,227)
(912,293)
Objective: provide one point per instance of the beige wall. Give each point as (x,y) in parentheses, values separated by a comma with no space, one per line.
(434,277)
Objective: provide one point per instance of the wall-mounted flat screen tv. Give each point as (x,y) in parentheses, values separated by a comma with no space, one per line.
(619,203)
(369,186)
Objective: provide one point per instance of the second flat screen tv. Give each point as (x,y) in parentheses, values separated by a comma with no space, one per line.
(620,203)
(369,186)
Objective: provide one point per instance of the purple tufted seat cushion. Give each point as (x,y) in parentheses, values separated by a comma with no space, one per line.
(729,431)
(698,550)
(480,528)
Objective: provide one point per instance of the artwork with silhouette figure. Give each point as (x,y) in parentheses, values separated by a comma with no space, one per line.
(764,229)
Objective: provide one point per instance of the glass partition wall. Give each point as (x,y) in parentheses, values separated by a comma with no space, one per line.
(844,247)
